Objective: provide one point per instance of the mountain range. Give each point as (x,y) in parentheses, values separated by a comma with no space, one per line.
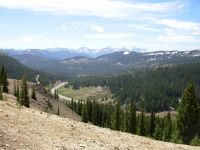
(107,61)
(64,53)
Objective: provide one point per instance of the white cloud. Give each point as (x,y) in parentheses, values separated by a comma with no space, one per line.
(172,36)
(23,41)
(109,36)
(177,38)
(29,38)
(97,28)
(141,27)
(64,27)
(101,8)
(184,27)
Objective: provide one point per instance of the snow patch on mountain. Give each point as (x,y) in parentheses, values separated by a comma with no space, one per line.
(126,53)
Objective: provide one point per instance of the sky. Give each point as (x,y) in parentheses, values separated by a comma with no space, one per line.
(149,24)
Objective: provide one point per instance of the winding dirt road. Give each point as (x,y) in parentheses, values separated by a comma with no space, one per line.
(62,96)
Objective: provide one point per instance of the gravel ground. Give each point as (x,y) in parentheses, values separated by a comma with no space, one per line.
(36,130)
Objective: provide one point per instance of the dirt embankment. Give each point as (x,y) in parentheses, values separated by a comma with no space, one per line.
(46,102)
(32,129)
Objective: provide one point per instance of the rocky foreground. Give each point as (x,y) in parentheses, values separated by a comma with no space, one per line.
(32,129)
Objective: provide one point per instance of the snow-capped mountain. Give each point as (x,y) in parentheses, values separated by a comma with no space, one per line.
(64,53)
(104,61)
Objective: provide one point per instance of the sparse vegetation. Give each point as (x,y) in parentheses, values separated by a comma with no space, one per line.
(24,95)
(1,94)
(33,94)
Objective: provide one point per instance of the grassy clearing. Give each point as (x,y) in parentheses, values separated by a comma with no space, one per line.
(85,93)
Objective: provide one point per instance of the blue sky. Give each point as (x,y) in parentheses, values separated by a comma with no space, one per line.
(152,24)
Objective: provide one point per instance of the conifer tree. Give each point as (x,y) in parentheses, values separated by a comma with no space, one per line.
(84,113)
(117,117)
(15,88)
(132,126)
(58,110)
(1,75)
(72,104)
(95,113)
(56,95)
(17,92)
(167,127)
(142,123)
(89,110)
(195,141)
(24,98)
(4,81)
(33,94)
(198,131)
(79,108)
(152,124)
(1,94)
(158,133)
(126,120)
(187,119)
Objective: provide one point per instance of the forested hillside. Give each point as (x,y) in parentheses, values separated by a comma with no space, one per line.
(15,70)
(158,89)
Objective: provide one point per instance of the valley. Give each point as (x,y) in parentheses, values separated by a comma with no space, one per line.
(99,75)
(84,93)
(144,102)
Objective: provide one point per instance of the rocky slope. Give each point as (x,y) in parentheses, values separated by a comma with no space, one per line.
(32,129)
(45,102)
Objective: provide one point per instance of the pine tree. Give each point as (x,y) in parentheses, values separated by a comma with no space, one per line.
(187,118)
(89,110)
(198,131)
(195,141)
(56,95)
(127,120)
(72,104)
(132,126)
(15,88)
(1,94)
(84,113)
(1,75)
(17,92)
(58,110)
(79,108)
(158,129)
(24,98)
(33,94)
(167,127)
(152,124)
(4,81)
(142,123)
(117,120)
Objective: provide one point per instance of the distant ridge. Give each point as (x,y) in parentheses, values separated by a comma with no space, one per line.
(71,63)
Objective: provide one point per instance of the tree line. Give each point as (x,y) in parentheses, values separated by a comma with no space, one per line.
(20,89)
(185,128)
(158,89)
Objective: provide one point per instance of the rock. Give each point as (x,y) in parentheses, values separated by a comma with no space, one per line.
(82,145)
(1,111)
(7,145)
(14,140)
